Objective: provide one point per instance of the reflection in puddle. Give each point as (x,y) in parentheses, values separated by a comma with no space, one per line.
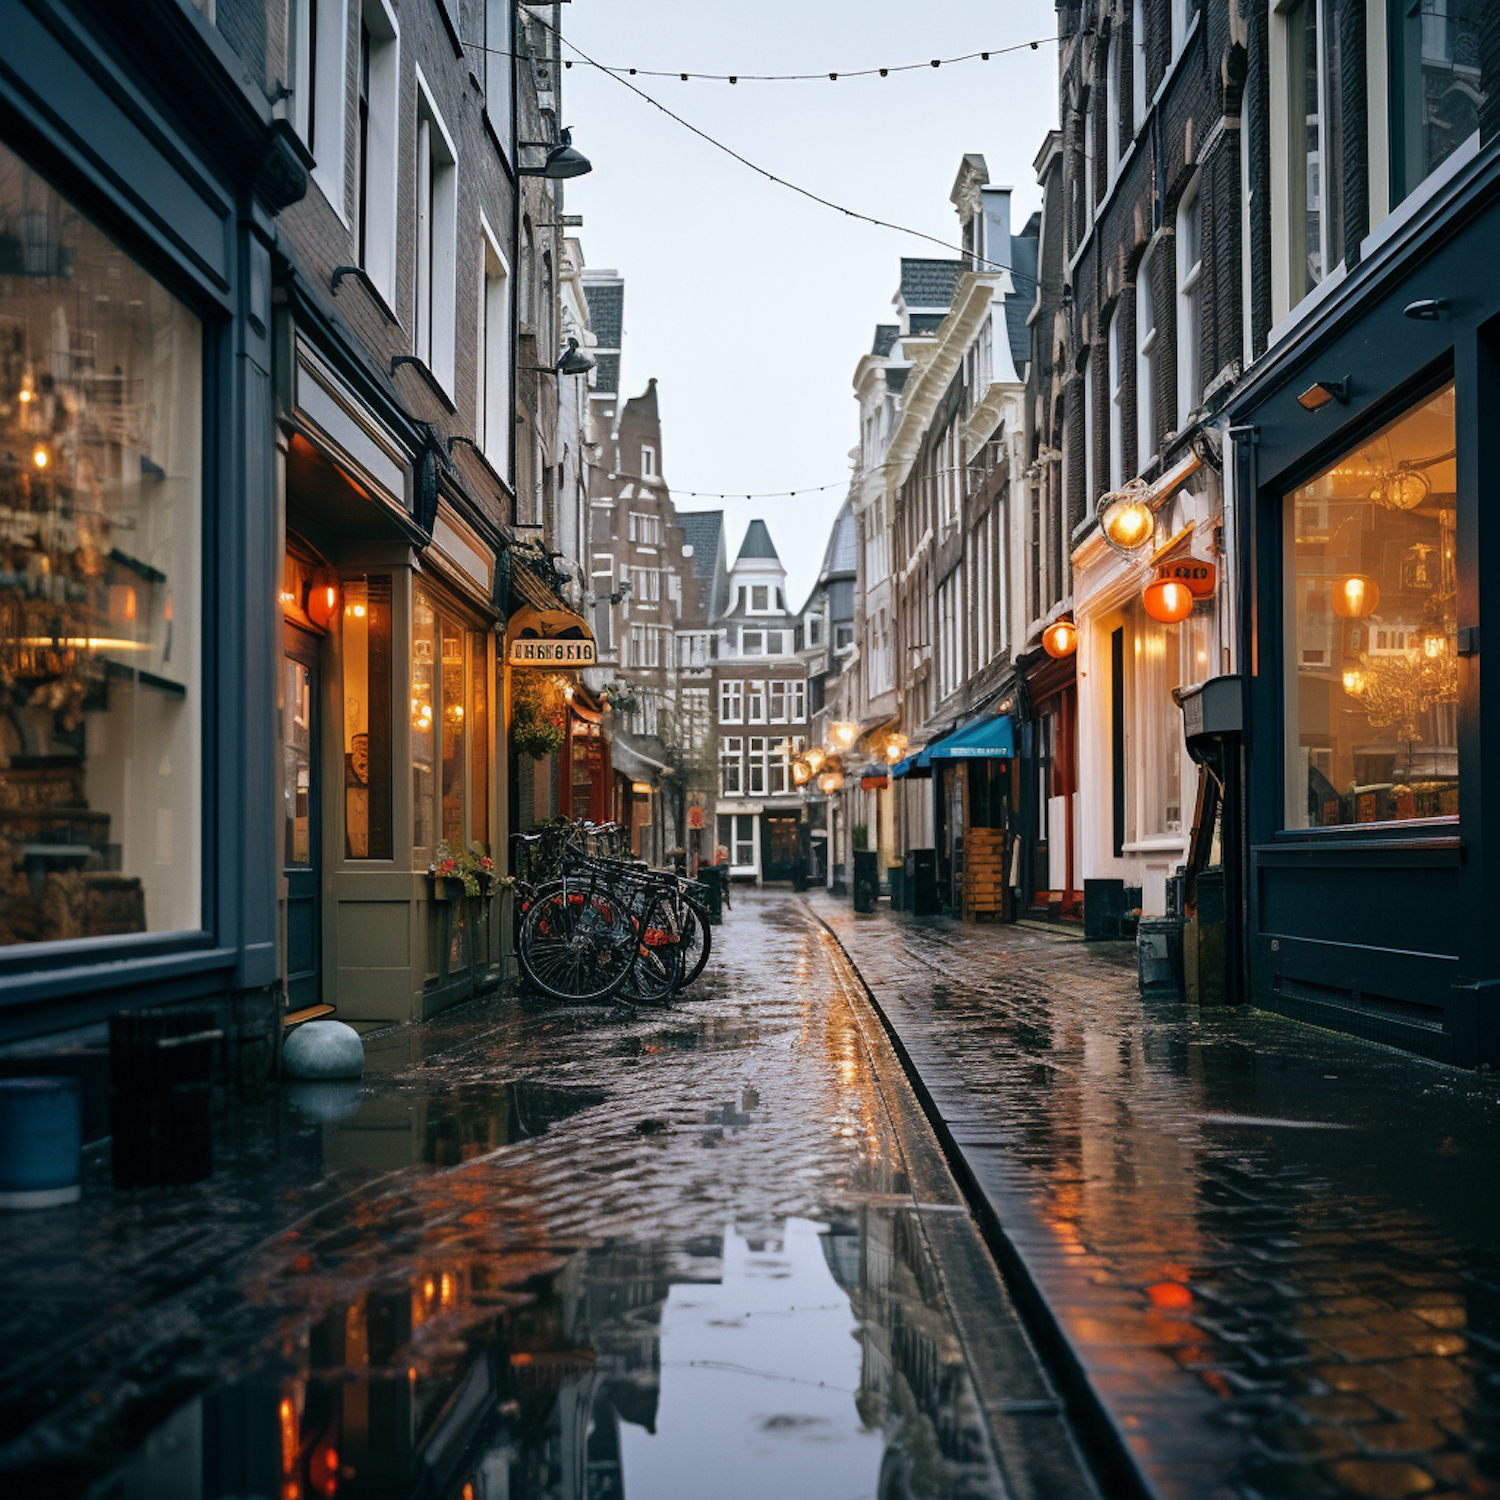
(792,1360)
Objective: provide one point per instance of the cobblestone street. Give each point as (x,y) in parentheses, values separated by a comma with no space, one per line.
(1269,1253)
(547,1253)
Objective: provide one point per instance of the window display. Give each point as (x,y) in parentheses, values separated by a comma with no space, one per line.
(1371,629)
(450,718)
(101,705)
(365,647)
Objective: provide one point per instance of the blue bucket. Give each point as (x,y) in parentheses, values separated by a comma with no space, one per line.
(41,1142)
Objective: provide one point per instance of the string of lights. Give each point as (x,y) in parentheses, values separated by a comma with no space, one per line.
(831,76)
(770,176)
(811,489)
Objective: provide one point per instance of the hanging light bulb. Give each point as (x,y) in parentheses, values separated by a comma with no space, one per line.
(1355,597)
(815,758)
(1168,601)
(1355,681)
(845,734)
(1060,639)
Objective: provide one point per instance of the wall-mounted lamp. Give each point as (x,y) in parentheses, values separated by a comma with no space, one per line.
(322,599)
(1321,392)
(562,161)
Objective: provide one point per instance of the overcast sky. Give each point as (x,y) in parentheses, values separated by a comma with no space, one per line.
(750,305)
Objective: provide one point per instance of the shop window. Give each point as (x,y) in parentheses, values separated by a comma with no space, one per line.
(424,709)
(1436,91)
(101,714)
(1370,626)
(1163,657)
(737,839)
(365,648)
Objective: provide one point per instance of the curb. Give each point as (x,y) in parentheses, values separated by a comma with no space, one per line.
(1098,1434)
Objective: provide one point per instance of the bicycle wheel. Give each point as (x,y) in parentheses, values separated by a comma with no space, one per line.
(657,968)
(575,945)
(697,939)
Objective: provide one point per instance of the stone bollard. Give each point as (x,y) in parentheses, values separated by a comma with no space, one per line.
(323,1049)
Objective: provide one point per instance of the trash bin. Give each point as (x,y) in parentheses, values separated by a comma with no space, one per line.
(921,882)
(161,1096)
(897,877)
(707,891)
(1158,954)
(866,879)
(1103,909)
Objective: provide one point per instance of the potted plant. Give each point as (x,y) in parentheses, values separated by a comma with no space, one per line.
(537,716)
(470,870)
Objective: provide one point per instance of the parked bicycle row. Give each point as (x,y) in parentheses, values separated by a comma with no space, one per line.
(592,924)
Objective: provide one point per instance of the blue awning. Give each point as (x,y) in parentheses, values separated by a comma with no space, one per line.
(983,739)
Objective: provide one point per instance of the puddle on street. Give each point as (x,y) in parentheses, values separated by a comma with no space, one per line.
(794,1359)
(679,1259)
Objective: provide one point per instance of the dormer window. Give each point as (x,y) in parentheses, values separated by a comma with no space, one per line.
(648,461)
(760,598)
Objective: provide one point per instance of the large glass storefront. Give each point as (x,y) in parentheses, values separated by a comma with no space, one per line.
(101,700)
(1371,669)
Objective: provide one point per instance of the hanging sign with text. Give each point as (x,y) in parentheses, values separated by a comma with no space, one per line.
(530,652)
(1199,576)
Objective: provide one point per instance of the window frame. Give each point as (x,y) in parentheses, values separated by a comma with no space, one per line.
(1189,305)
(1147,342)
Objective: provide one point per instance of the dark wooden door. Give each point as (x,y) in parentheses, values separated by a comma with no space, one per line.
(301,853)
(779,856)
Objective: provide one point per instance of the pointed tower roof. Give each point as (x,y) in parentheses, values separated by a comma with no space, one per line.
(757,543)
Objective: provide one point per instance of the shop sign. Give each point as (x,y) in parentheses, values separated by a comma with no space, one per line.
(1200,577)
(695,817)
(529,652)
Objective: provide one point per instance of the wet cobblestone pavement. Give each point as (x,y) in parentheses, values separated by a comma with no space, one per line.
(705,1249)
(1273,1252)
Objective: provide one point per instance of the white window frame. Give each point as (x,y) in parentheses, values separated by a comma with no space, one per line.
(756,767)
(763,608)
(755,702)
(1189,306)
(1179,25)
(437,236)
(499,74)
(1139,103)
(1116,404)
(648,461)
(1090,457)
(732,700)
(1090,186)
(494,418)
(1112,107)
(320,87)
(381,164)
(758,636)
(1147,342)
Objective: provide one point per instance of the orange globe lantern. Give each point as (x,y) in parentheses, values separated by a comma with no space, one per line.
(1168,601)
(1060,639)
(1355,597)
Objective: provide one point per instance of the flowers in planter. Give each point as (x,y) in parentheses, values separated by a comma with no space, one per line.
(472,867)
